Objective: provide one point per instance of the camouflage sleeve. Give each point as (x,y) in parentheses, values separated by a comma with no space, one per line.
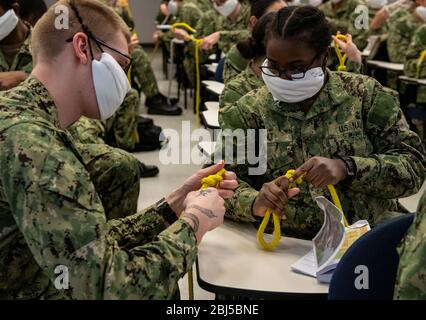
(396,167)
(239,206)
(230,95)
(61,217)
(234,64)
(190,15)
(229,38)
(411,278)
(417,45)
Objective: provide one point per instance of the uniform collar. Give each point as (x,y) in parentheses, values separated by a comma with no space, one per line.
(42,102)
(332,95)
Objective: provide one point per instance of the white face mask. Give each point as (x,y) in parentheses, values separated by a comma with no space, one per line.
(111,85)
(294,91)
(315,3)
(173,7)
(421,12)
(227,8)
(8,23)
(377,4)
(336,1)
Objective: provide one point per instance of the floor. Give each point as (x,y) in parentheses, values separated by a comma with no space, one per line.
(171,176)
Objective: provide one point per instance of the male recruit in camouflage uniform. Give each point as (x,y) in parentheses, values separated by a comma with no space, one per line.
(353,116)
(51,215)
(239,86)
(105,164)
(411,279)
(230,33)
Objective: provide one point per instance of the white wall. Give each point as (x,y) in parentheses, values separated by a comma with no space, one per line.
(144,13)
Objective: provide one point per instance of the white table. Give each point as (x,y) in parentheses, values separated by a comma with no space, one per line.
(211,119)
(212,105)
(230,262)
(413,80)
(212,67)
(397,67)
(214,86)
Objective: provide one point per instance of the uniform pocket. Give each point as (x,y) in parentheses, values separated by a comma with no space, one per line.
(280,157)
(349,144)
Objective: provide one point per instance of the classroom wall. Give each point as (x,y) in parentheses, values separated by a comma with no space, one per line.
(144,13)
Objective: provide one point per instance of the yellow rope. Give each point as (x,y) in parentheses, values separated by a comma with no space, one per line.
(212,181)
(277,223)
(197,43)
(342,58)
(422,57)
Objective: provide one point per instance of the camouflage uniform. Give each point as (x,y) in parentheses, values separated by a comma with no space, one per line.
(352,116)
(51,215)
(23,60)
(411,279)
(189,13)
(234,64)
(238,87)
(412,55)
(230,33)
(401,31)
(343,18)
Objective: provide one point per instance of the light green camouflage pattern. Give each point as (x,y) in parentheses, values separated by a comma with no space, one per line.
(142,75)
(412,56)
(51,215)
(353,116)
(234,64)
(118,131)
(230,33)
(401,31)
(411,279)
(238,87)
(342,19)
(23,60)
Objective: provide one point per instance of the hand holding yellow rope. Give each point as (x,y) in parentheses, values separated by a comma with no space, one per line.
(277,223)
(212,181)
(342,58)
(197,43)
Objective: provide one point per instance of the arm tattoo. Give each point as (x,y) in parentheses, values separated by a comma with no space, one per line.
(205,211)
(194,220)
(204,192)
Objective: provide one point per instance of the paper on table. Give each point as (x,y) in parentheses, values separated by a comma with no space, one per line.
(330,244)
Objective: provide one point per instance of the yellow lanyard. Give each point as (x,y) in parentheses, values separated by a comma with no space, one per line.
(342,58)
(197,43)
(419,63)
(276,219)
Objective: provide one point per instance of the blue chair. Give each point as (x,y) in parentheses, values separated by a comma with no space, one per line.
(376,250)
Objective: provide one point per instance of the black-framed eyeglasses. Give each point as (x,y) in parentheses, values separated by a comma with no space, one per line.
(291,74)
(99,43)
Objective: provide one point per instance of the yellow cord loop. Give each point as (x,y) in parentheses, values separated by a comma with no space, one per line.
(276,219)
(342,58)
(277,223)
(422,58)
(197,43)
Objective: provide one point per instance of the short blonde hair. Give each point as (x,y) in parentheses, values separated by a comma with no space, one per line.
(103,22)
